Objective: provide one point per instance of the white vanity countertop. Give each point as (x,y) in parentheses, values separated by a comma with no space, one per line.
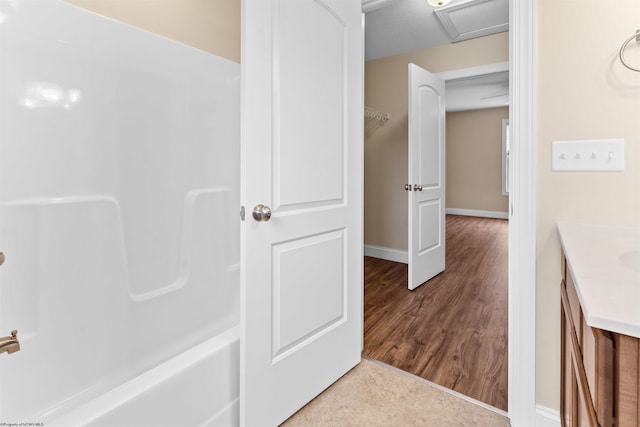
(604,262)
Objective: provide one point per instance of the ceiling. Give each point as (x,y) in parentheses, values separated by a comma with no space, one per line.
(398,26)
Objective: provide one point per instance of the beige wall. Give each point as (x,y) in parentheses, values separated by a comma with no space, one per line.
(209,25)
(386,148)
(474,160)
(583,92)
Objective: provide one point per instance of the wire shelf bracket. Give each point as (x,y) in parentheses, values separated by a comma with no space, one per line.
(374,119)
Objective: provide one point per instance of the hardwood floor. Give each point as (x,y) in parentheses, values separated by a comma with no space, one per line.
(453,329)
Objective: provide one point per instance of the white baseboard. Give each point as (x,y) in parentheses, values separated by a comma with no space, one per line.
(546,417)
(484,214)
(389,254)
(398,255)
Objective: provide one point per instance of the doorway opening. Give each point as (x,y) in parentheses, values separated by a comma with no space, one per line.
(452,330)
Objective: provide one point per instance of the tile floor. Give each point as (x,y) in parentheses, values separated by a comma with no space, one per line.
(375,394)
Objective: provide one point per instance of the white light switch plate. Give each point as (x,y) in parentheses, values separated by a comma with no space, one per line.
(588,155)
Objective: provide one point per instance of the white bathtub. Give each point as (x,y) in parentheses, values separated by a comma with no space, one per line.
(200,387)
(119,218)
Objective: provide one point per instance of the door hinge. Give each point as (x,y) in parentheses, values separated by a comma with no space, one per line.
(241,213)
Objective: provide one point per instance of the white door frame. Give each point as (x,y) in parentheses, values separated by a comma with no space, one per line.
(522,206)
(522,220)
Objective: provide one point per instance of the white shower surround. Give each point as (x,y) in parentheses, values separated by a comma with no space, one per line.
(119,191)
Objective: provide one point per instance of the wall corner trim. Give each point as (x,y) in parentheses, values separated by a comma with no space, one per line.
(389,254)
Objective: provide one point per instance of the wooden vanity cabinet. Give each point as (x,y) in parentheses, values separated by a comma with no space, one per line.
(627,380)
(600,370)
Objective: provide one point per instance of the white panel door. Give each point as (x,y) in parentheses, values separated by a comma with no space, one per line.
(426,176)
(302,132)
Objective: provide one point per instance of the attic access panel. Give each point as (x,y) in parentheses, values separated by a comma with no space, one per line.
(474,18)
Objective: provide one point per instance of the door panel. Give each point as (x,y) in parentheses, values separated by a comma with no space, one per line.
(429,122)
(309,140)
(302,127)
(429,225)
(427,174)
(308,298)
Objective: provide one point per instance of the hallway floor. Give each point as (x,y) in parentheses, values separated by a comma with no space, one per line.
(453,329)
(373,394)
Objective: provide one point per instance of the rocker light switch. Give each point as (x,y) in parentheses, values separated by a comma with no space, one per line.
(588,155)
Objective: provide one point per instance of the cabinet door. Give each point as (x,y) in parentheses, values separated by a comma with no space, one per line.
(597,356)
(627,380)
(583,400)
(568,386)
(574,308)
(576,404)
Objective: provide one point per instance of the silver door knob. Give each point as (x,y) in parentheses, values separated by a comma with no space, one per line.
(417,187)
(261,213)
(407,187)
